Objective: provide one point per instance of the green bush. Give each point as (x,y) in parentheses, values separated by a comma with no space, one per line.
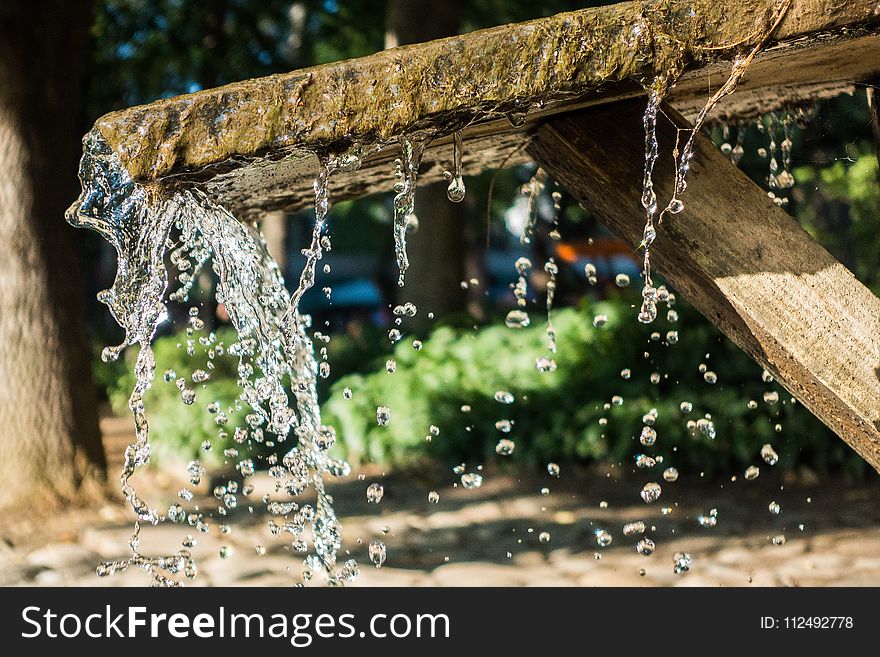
(556,415)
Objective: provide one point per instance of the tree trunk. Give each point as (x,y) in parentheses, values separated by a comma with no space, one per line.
(50,443)
(437,249)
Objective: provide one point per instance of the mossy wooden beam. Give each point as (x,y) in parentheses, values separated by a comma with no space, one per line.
(738,258)
(252,143)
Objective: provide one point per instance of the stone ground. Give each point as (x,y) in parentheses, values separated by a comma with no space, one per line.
(490,536)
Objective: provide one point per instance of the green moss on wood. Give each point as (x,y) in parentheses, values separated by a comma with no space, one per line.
(505,69)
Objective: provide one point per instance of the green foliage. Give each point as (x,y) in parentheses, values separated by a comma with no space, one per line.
(557,415)
(177,430)
(840,209)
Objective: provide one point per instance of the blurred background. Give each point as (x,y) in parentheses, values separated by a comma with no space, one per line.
(63,411)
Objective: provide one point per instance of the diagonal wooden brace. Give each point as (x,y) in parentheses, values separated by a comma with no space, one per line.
(739,259)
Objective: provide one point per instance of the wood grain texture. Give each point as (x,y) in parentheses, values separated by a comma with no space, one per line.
(738,258)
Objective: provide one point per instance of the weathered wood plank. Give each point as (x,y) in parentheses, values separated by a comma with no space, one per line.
(739,259)
(252,143)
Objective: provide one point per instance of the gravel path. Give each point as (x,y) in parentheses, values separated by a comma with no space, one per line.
(492,536)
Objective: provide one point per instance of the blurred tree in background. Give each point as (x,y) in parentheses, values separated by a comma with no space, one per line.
(50,450)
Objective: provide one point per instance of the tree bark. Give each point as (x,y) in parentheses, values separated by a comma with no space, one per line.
(50,443)
(438,248)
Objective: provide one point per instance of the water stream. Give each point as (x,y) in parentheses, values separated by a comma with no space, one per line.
(277,368)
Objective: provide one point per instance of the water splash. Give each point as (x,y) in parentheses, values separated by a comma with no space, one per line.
(273,346)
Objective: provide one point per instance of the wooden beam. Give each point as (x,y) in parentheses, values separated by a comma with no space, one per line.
(252,144)
(738,258)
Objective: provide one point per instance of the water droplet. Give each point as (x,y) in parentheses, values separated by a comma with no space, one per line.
(706,427)
(774,508)
(708,520)
(625,374)
(651,492)
(544,537)
(349,162)
(600,320)
(505,447)
(648,436)
(646,547)
(686,407)
(681,562)
(375,492)
(670,474)
(456,190)
(504,426)
(621,280)
(603,538)
(544,364)
(517,319)
(383,416)
(503,397)
(779,539)
(710,377)
(769,454)
(433,497)
(771,397)
(553,469)
(752,472)
(226,552)
(634,528)
(471,480)
(378,553)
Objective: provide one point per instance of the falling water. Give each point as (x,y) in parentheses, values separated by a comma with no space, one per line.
(144,225)
(648,311)
(456,190)
(552,270)
(531,191)
(656,92)
(405,200)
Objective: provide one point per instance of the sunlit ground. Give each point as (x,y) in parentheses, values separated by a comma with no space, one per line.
(492,536)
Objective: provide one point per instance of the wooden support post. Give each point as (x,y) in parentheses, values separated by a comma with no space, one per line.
(738,258)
